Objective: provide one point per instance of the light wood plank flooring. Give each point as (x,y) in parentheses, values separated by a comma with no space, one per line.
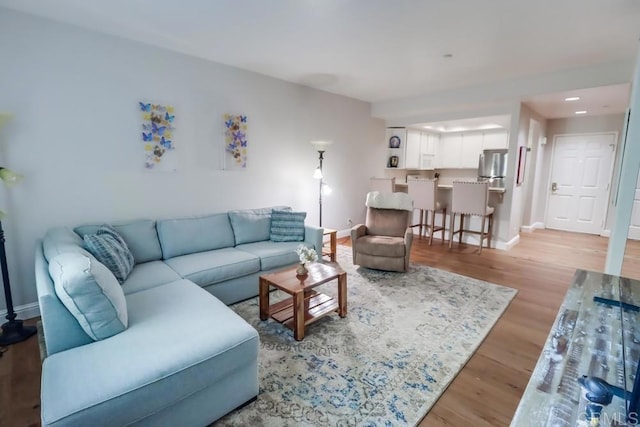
(487,391)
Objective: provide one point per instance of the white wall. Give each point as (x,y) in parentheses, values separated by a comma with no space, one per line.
(578,125)
(524,210)
(76,137)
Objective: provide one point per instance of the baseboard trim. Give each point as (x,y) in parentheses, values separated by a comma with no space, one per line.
(23,312)
(531,228)
(343,233)
(505,246)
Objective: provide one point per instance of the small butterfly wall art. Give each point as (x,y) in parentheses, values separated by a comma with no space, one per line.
(157,132)
(235,145)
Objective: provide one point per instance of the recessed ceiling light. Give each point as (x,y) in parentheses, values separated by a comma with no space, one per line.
(427,127)
(447,55)
(572,98)
(581,112)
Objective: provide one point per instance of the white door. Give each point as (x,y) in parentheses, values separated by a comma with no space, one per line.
(634,226)
(580,174)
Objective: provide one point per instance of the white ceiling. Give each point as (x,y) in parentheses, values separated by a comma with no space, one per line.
(378,50)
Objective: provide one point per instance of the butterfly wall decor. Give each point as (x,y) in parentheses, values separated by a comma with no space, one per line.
(157,127)
(235,141)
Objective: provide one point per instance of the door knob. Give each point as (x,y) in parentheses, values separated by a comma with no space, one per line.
(554,186)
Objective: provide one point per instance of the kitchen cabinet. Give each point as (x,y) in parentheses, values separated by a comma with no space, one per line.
(449,151)
(471,150)
(428,150)
(413,150)
(495,139)
(421,150)
(396,140)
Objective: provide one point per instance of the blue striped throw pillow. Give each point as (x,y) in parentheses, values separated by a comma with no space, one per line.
(287,226)
(111,250)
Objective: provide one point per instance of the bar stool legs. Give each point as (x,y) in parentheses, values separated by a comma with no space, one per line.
(432,225)
(487,222)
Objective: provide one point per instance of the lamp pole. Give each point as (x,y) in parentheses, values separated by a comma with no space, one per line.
(12,331)
(320,157)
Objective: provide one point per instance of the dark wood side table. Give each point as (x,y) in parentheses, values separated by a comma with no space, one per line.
(305,305)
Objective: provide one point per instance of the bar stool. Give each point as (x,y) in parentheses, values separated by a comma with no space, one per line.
(470,198)
(424,193)
(382,185)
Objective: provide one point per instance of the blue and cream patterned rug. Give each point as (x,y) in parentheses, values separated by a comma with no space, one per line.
(404,339)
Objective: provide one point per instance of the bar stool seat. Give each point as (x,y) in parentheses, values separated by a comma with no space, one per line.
(471,198)
(424,193)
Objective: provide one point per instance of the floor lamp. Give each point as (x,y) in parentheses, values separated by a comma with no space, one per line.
(12,331)
(323,188)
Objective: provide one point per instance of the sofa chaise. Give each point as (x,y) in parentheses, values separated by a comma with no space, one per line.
(182,356)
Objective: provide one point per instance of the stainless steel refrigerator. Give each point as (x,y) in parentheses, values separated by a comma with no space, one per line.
(492,166)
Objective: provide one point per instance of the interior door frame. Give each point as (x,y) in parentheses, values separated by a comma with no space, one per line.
(611,170)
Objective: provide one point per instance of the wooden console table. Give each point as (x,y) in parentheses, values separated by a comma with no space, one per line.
(589,337)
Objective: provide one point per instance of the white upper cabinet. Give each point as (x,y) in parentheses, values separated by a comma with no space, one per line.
(495,139)
(428,150)
(449,151)
(421,150)
(413,151)
(471,150)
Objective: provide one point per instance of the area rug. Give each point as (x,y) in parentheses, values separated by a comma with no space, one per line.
(405,337)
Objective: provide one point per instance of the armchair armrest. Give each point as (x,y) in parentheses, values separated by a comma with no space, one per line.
(313,237)
(357,231)
(408,240)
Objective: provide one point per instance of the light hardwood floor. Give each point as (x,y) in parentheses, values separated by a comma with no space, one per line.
(487,390)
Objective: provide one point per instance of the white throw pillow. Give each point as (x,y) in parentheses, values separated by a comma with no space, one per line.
(91,293)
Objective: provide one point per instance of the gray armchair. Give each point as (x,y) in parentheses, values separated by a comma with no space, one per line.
(384,241)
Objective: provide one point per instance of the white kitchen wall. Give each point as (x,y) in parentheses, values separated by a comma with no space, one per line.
(75,137)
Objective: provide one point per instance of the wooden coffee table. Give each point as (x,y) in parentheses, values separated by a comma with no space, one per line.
(305,305)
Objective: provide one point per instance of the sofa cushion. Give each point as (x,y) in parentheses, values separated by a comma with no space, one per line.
(272,254)
(180,340)
(385,246)
(287,226)
(111,250)
(91,293)
(252,225)
(60,240)
(207,268)
(149,275)
(184,236)
(140,235)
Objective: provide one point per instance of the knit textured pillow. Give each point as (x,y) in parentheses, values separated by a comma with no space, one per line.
(287,226)
(111,250)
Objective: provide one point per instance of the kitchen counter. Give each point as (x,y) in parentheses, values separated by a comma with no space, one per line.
(403,186)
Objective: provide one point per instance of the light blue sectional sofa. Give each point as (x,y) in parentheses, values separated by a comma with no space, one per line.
(185,358)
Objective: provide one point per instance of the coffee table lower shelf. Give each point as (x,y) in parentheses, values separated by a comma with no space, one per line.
(316,306)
